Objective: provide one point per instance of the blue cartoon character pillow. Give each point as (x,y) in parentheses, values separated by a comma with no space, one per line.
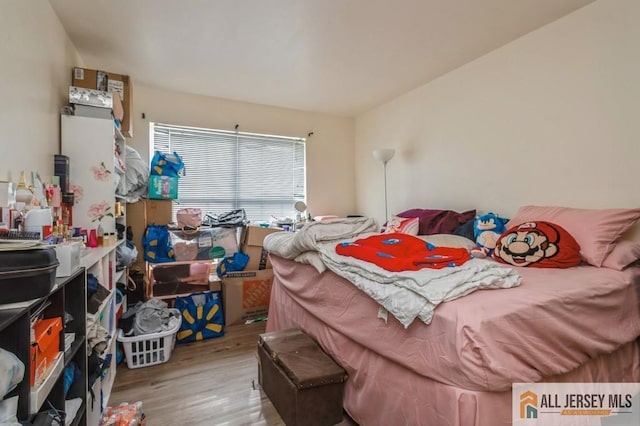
(486,229)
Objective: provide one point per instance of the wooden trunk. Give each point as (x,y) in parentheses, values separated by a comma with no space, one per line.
(304,384)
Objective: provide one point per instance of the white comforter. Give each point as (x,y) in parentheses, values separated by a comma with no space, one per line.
(408,294)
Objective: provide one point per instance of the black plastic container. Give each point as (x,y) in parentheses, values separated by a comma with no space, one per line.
(26,274)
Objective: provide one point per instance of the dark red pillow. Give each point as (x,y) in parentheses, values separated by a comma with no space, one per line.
(438,221)
(538,244)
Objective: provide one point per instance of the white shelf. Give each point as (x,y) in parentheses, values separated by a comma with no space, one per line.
(91,256)
(120,274)
(40,393)
(109,379)
(104,304)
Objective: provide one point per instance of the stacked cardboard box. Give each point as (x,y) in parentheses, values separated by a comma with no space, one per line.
(252,246)
(142,213)
(109,82)
(246,294)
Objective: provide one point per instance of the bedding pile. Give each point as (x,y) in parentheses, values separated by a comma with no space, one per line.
(304,246)
(406,294)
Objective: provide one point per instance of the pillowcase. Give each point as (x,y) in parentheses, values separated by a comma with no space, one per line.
(595,230)
(466,230)
(449,240)
(405,226)
(624,253)
(539,245)
(438,221)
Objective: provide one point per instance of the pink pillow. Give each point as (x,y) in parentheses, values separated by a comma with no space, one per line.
(624,253)
(595,230)
(406,226)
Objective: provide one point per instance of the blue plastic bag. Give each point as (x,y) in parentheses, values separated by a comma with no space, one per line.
(202,316)
(163,164)
(156,244)
(234,263)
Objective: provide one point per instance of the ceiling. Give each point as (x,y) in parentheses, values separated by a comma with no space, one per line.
(340,57)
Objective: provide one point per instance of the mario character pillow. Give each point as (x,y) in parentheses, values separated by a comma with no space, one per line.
(539,245)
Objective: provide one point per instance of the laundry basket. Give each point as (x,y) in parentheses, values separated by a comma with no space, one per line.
(150,349)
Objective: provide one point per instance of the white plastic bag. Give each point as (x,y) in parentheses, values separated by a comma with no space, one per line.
(11,372)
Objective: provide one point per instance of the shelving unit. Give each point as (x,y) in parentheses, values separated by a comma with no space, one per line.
(68,295)
(91,145)
(101,263)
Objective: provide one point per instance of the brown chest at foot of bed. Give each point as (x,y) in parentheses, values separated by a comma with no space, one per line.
(304,384)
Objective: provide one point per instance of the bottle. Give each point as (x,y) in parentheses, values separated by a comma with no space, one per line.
(92,241)
(100,236)
(67,208)
(23,193)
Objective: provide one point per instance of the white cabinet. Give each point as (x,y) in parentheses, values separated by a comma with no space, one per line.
(91,144)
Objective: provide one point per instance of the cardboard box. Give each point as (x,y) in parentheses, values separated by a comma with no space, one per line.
(163,187)
(44,347)
(246,295)
(142,213)
(110,82)
(215,284)
(253,240)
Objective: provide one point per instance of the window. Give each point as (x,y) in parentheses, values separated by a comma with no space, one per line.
(263,174)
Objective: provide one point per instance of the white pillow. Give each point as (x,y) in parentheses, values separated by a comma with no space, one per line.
(449,240)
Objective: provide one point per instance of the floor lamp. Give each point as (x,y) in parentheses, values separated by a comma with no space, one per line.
(384,155)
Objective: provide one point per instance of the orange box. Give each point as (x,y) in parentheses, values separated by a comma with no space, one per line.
(44,347)
(246,295)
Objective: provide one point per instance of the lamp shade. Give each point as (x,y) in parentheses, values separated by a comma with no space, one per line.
(384,154)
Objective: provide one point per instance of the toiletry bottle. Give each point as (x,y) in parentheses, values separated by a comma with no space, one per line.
(100,236)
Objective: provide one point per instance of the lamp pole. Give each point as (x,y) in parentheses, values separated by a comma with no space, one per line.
(384,155)
(386,213)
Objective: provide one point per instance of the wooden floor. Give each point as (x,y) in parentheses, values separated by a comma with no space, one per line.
(212,382)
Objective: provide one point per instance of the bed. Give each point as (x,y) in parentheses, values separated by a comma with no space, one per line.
(580,324)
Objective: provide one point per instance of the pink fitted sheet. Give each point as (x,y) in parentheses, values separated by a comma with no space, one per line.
(382,392)
(552,323)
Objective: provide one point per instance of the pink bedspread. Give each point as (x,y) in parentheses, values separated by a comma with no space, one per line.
(553,322)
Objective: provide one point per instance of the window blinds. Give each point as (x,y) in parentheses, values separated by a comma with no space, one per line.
(225,170)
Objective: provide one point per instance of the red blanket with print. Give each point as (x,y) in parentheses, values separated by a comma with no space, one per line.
(402,252)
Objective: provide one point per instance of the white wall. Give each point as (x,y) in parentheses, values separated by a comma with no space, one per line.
(330,172)
(37,57)
(551,118)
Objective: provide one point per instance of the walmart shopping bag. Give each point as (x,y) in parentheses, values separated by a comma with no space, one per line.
(165,164)
(202,316)
(157,245)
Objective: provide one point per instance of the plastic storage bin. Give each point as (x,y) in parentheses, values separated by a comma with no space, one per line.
(150,349)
